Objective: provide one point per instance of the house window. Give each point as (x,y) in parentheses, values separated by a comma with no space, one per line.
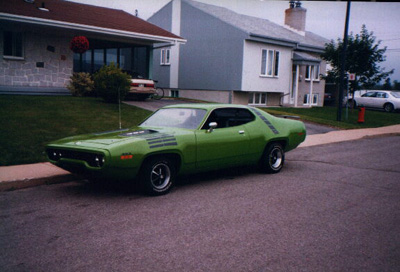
(174,93)
(165,57)
(111,56)
(257,98)
(13,45)
(307,99)
(316,72)
(133,60)
(270,63)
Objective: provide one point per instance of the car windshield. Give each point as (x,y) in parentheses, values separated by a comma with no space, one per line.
(176,117)
(396,94)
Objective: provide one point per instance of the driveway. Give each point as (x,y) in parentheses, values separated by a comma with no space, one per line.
(153,105)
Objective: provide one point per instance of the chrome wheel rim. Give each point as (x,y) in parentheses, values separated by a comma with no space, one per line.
(276,158)
(160,176)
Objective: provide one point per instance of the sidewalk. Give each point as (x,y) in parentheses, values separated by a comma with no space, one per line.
(29,175)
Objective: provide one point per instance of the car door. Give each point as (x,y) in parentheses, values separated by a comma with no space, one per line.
(367,99)
(224,146)
(380,100)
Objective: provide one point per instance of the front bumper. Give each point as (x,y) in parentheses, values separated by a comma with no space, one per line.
(90,164)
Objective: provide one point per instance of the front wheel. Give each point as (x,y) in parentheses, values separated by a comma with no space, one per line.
(273,158)
(158,176)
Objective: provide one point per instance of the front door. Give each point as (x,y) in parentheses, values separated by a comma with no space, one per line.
(228,143)
(222,147)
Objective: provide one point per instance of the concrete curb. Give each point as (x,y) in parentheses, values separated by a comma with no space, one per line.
(27,183)
(29,175)
(349,135)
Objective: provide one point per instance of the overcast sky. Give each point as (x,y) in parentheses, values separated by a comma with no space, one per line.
(325,18)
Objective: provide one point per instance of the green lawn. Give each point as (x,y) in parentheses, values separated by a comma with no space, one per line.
(28,123)
(327,116)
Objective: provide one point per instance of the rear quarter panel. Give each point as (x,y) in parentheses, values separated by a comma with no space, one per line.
(271,128)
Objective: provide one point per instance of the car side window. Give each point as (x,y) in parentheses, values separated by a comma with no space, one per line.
(369,94)
(229,117)
(382,95)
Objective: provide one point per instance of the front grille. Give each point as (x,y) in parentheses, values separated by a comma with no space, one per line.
(92,159)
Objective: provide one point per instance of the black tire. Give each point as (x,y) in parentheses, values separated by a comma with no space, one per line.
(159,94)
(388,107)
(273,158)
(158,176)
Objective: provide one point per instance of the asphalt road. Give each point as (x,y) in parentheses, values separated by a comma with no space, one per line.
(332,208)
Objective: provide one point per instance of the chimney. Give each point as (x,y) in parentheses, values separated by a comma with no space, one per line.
(295,16)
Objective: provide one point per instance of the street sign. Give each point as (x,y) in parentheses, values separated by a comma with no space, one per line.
(352,77)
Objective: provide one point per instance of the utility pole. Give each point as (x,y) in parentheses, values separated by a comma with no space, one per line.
(343,63)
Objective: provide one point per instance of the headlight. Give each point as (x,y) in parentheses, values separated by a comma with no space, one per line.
(99,160)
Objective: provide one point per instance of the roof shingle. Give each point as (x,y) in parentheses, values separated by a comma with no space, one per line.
(82,14)
(259,26)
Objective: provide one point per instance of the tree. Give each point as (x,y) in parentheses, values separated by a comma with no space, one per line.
(362,58)
(387,85)
(396,85)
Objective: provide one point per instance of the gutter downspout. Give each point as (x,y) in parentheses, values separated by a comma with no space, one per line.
(296,93)
(311,85)
(175,52)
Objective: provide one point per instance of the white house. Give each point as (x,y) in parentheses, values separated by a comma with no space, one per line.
(235,58)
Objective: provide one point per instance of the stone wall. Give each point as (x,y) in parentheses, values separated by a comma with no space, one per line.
(47,62)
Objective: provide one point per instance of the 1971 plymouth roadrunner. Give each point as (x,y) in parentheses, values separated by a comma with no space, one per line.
(181,139)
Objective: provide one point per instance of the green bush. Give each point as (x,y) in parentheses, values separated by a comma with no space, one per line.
(111,83)
(81,84)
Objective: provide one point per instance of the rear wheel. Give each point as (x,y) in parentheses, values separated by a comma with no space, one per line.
(388,107)
(158,176)
(273,158)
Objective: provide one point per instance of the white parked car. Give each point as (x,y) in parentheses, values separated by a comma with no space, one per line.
(141,88)
(386,100)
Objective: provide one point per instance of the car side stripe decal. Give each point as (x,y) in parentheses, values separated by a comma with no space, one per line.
(266,121)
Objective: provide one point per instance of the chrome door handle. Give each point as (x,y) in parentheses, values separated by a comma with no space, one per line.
(241,131)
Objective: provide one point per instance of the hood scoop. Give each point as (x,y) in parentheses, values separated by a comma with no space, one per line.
(141,132)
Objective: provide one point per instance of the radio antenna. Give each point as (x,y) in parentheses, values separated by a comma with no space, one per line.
(119,107)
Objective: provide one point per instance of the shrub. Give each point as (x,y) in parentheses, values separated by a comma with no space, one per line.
(81,84)
(111,83)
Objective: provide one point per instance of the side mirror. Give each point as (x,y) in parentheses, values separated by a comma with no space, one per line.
(212,126)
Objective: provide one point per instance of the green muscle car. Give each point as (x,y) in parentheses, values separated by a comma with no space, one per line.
(181,139)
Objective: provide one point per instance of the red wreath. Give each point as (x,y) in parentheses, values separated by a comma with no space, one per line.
(79,44)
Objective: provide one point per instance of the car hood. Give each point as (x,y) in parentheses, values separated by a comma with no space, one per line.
(105,140)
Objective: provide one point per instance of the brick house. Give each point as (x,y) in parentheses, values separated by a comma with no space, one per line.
(35,37)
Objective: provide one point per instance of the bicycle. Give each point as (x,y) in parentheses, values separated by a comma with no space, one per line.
(159,92)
